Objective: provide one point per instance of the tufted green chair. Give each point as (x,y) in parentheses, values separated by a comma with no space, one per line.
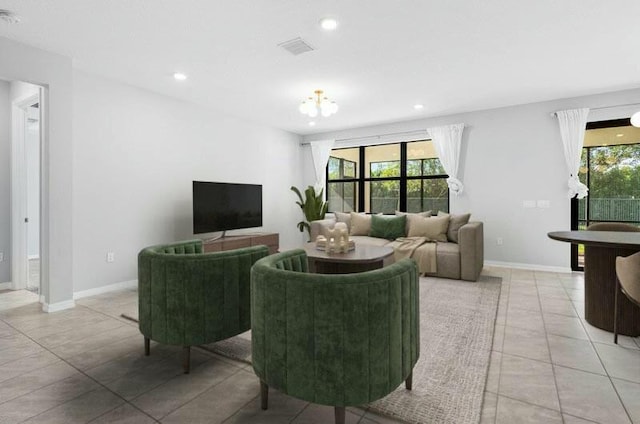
(339,339)
(187,297)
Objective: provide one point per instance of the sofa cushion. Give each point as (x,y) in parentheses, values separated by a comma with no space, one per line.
(369,241)
(433,228)
(360,224)
(448,260)
(455,222)
(388,227)
(343,217)
(424,214)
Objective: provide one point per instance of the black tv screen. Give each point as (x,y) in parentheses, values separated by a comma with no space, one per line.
(226,206)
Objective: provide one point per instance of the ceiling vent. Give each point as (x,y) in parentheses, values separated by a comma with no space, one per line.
(9,17)
(296,46)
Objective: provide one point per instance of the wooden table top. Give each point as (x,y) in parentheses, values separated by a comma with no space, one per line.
(614,239)
(362,253)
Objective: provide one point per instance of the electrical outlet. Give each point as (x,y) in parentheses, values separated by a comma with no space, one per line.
(499,241)
(111,257)
(1,256)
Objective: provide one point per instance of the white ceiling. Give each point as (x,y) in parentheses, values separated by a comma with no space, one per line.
(452,56)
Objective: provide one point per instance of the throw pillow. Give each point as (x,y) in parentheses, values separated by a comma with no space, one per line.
(343,217)
(424,214)
(433,228)
(388,227)
(360,224)
(455,223)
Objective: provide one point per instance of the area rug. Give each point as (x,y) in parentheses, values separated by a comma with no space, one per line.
(457,320)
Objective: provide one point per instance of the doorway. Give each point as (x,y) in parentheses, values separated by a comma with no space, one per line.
(26,146)
(610,168)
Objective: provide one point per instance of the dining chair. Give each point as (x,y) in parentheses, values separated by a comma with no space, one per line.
(627,282)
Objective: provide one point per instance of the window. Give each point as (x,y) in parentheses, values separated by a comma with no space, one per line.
(341,186)
(610,168)
(401,176)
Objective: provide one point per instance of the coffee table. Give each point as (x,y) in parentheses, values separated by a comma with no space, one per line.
(362,258)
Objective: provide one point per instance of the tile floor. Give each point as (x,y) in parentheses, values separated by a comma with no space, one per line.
(86,365)
(548,365)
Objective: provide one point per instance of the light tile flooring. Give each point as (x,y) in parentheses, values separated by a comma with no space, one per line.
(548,365)
(86,365)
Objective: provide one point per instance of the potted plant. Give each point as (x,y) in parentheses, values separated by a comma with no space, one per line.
(313,206)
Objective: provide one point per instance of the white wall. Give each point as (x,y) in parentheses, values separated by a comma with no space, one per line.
(24,63)
(5,182)
(510,155)
(136,154)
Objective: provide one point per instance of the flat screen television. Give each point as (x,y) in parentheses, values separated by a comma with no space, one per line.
(226,206)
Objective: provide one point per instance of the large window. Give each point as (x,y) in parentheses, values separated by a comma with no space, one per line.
(386,178)
(610,167)
(341,177)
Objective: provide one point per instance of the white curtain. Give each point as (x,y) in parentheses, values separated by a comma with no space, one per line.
(320,151)
(447,140)
(572,125)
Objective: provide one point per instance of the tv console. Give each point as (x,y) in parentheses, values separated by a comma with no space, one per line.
(271,240)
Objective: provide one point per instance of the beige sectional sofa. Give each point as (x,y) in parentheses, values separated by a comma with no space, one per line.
(462,260)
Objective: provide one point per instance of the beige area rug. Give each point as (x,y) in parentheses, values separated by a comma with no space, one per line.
(457,320)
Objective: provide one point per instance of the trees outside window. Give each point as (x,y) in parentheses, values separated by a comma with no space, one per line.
(610,168)
(402,176)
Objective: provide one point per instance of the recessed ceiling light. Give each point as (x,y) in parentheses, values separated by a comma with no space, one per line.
(418,106)
(179,76)
(620,135)
(312,124)
(328,24)
(9,17)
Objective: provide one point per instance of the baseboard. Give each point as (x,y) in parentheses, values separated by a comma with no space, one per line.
(105,289)
(60,306)
(530,267)
(5,286)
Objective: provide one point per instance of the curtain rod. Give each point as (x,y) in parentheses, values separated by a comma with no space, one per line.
(378,136)
(605,107)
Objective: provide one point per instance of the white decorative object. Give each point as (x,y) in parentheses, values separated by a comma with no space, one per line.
(337,239)
(635,119)
(447,140)
(573,123)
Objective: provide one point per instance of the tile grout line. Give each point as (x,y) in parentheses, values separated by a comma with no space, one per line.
(508,294)
(601,361)
(87,376)
(546,337)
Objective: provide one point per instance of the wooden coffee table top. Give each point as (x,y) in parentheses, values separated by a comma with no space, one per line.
(361,254)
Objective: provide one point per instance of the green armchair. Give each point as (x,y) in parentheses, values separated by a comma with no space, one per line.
(187,297)
(339,340)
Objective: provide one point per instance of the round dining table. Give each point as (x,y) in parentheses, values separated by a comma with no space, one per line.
(601,250)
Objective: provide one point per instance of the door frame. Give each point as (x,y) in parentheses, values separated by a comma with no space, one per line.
(19,251)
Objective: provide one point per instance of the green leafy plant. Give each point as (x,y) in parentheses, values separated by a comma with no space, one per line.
(313,207)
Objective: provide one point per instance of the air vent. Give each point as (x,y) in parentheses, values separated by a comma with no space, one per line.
(296,46)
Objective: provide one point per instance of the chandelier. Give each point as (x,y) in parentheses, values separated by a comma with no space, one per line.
(320,104)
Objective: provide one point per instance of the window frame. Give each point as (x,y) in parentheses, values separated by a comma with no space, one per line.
(575,202)
(403,178)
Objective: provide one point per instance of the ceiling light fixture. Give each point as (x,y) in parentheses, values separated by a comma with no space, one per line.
(9,17)
(328,24)
(418,107)
(635,119)
(179,76)
(320,105)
